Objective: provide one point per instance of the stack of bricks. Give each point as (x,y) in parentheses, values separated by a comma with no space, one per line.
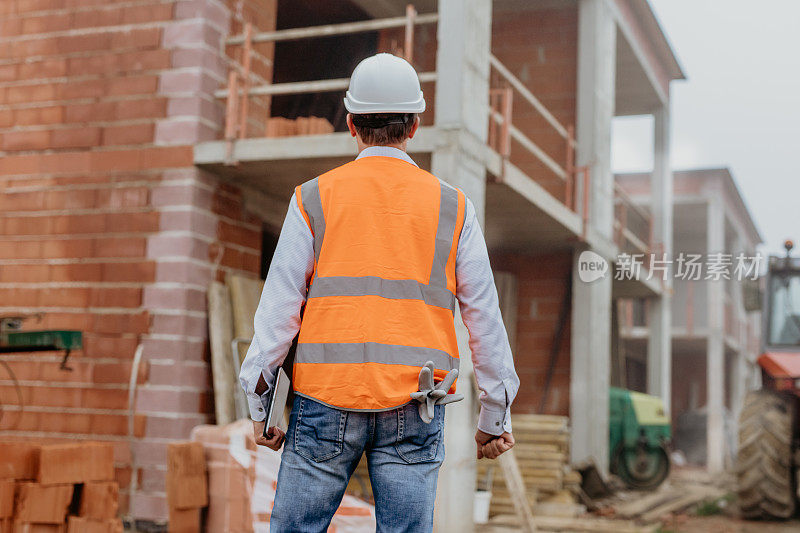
(58,488)
(187,486)
(286,127)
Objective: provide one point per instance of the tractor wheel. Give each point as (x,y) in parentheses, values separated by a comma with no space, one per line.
(764,464)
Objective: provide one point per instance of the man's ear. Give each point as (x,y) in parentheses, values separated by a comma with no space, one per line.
(350,125)
(414,128)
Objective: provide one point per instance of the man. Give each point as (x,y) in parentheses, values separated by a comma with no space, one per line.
(377,252)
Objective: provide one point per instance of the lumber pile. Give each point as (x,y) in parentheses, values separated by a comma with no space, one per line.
(231,307)
(58,488)
(286,127)
(542,452)
(187,488)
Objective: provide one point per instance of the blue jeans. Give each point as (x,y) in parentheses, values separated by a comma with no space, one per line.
(323,446)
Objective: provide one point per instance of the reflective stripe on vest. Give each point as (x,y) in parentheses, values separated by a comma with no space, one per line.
(364,338)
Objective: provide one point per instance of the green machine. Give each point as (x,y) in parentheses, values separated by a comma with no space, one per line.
(639,434)
(13,339)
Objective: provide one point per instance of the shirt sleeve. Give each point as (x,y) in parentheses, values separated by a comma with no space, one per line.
(488,340)
(277,318)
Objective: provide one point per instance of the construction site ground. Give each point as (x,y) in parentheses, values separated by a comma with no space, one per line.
(690,501)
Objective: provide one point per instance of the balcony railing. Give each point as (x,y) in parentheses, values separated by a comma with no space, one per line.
(505,91)
(633,225)
(241,88)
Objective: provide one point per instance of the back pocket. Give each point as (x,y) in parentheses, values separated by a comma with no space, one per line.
(418,442)
(319,433)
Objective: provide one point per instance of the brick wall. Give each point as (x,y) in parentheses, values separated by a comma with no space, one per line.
(540,48)
(541,282)
(105,224)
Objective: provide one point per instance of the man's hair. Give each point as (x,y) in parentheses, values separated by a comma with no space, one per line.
(384,128)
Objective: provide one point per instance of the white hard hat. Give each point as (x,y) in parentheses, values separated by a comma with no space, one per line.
(384,83)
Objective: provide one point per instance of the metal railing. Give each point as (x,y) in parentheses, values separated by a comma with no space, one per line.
(240,86)
(633,225)
(502,132)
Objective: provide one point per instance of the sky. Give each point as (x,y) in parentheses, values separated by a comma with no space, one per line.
(738,108)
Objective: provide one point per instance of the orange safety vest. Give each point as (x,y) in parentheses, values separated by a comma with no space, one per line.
(381,299)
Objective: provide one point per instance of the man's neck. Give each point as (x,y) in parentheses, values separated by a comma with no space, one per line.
(399,146)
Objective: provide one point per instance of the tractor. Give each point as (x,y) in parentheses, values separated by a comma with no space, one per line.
(769,449)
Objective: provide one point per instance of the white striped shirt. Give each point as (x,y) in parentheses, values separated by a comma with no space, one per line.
(277,319)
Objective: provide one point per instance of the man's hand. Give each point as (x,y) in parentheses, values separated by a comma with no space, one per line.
(273,443)
(491,446)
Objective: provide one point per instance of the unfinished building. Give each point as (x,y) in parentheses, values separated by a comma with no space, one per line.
(144,156)
(715,341)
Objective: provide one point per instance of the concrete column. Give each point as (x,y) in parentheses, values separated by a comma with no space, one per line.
(462,96)
(591,302)
(597,36)
(590,370)
(715,403)
(659,341)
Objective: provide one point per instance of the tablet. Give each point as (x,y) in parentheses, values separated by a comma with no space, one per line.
(277,403)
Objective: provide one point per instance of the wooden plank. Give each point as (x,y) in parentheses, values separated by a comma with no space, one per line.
(638,506)
(694,496)
(220,332)
(554,523)
(245,295)
(516,487)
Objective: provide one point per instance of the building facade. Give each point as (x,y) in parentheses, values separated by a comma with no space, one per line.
(133,174)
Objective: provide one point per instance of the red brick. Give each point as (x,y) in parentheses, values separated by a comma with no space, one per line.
(75,137)
(45,24)
(45,504)
(99,500)
(123,197)
(71,199)
(139,271)
(184,521)
(120,247)
(76,272)
(144,108)
(82,89)
(7,487)
(24,273)
(45,68)
(128,134)
(115,373)
(138,38)
(133,85)
(76,463)
(93,112)
(37,116)
(17,141)
(116,297)
(105,398)
(186,475)
(78,524)
(148,13)
(63,248)
(20,250)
